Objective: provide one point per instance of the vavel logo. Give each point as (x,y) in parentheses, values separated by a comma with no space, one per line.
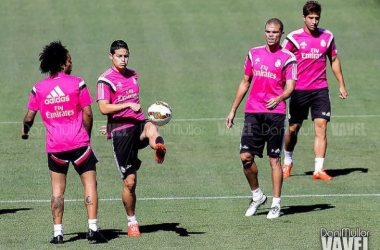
(56,96)
(344,239)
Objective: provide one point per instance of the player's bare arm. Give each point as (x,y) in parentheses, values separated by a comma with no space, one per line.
(273,102)
(28,123)
(241,92)
(106,107)
(87,119)
(337,69)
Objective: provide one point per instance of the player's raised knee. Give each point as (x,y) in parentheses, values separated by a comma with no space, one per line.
(150,130)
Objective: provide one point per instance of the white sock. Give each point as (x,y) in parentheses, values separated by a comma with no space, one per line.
(288,159)
(58,230)
(93,224)
(276,201)
(132,220)
(257,194)
(318,164)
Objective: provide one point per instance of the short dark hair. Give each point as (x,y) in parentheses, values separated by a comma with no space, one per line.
(312,7)
(52,57)
(275,21)
(118,44)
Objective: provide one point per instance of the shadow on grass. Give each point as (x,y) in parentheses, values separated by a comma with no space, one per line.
(173,227)
(109,234)
(287,210)
(305,208)
(13,210)
(339,172)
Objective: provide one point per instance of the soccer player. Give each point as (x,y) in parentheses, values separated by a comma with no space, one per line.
(118,97)
(311,46)
(269,68)
(65,106)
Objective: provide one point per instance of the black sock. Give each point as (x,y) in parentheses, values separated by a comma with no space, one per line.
(159,139)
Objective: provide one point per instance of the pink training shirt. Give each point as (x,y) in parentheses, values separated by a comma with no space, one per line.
(269,72)
(120,88)
(60,101)
(311,53)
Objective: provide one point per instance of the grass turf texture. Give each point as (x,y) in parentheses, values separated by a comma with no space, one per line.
(189,54)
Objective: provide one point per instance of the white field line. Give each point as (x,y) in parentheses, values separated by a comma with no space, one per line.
(202,198)
(215,119)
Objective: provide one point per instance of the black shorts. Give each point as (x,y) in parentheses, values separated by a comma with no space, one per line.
(126,144)
(84,159)
(318,101)
(260,128)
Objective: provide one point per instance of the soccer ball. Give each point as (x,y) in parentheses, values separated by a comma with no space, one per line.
(159,113)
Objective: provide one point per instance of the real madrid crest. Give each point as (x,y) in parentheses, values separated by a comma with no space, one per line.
(119,86)
(278,63)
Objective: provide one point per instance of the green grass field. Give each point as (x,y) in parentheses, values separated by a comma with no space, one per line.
(189,54)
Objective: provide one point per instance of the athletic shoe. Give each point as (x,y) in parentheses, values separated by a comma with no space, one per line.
(160,152)
(322,176)
(274,212)
(286,170)
(133,230)
(96,236)
(254,205)
(57,240)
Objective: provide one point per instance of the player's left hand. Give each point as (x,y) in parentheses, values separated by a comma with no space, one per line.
(135,107)
(273,103)
(343,93)
(230,119)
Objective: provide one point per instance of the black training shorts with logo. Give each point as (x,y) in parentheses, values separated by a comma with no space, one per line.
(84,159)
(261,128)
(318,101)
(126,144)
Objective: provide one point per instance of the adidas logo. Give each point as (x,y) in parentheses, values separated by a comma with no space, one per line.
(303,45)
(277,151)
(56,96)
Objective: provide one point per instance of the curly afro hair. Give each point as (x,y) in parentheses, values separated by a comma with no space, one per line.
(52,57)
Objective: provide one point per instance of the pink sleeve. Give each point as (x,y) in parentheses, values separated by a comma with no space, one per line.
(286,44)
(33,102)
(103,91)
(85,98)
(248,66)
(332,49)
(290,71)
